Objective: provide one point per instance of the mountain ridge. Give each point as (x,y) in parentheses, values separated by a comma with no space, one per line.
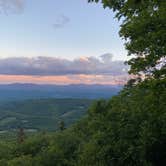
(19,91)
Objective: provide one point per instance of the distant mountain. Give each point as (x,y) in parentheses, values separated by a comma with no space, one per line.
(19,91)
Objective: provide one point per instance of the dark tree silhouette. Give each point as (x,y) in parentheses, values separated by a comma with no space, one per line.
(61,125)
(21,135)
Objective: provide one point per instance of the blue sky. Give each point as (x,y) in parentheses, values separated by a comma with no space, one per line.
(60,42)
(89,31)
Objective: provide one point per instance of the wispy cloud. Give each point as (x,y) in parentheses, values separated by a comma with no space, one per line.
(50,66)
(11,6)
(61,21)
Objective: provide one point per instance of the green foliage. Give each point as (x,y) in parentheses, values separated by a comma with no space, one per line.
(144,29)
(61,125)
(130,130)
(32,146)
(127,130)
(6,150)
(22,160)
(41,114)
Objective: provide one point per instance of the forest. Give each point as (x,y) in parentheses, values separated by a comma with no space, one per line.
(41,114)
(130,128)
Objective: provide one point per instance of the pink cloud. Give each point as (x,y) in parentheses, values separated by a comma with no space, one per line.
(66,79)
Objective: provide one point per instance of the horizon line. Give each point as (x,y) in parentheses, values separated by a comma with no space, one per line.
(87,84)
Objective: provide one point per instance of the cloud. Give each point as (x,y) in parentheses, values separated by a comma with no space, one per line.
(14,6)
(50,66)
(61,21)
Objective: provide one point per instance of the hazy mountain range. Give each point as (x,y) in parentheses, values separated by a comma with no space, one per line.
(19,91)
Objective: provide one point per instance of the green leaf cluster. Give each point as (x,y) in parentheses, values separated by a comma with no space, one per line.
(144,29)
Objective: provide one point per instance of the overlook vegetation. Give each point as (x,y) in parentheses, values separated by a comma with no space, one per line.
(130,128)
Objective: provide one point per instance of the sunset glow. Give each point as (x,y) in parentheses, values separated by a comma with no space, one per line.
(69,79)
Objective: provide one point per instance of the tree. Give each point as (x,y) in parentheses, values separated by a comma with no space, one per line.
(61,125)
(21,135)
(144,29)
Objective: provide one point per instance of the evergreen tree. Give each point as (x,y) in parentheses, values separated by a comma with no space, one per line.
(21,135)
(61,125)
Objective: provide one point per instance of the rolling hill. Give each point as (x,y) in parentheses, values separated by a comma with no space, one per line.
(41,114)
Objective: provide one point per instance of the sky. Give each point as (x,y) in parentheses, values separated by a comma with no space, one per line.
(60,42)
